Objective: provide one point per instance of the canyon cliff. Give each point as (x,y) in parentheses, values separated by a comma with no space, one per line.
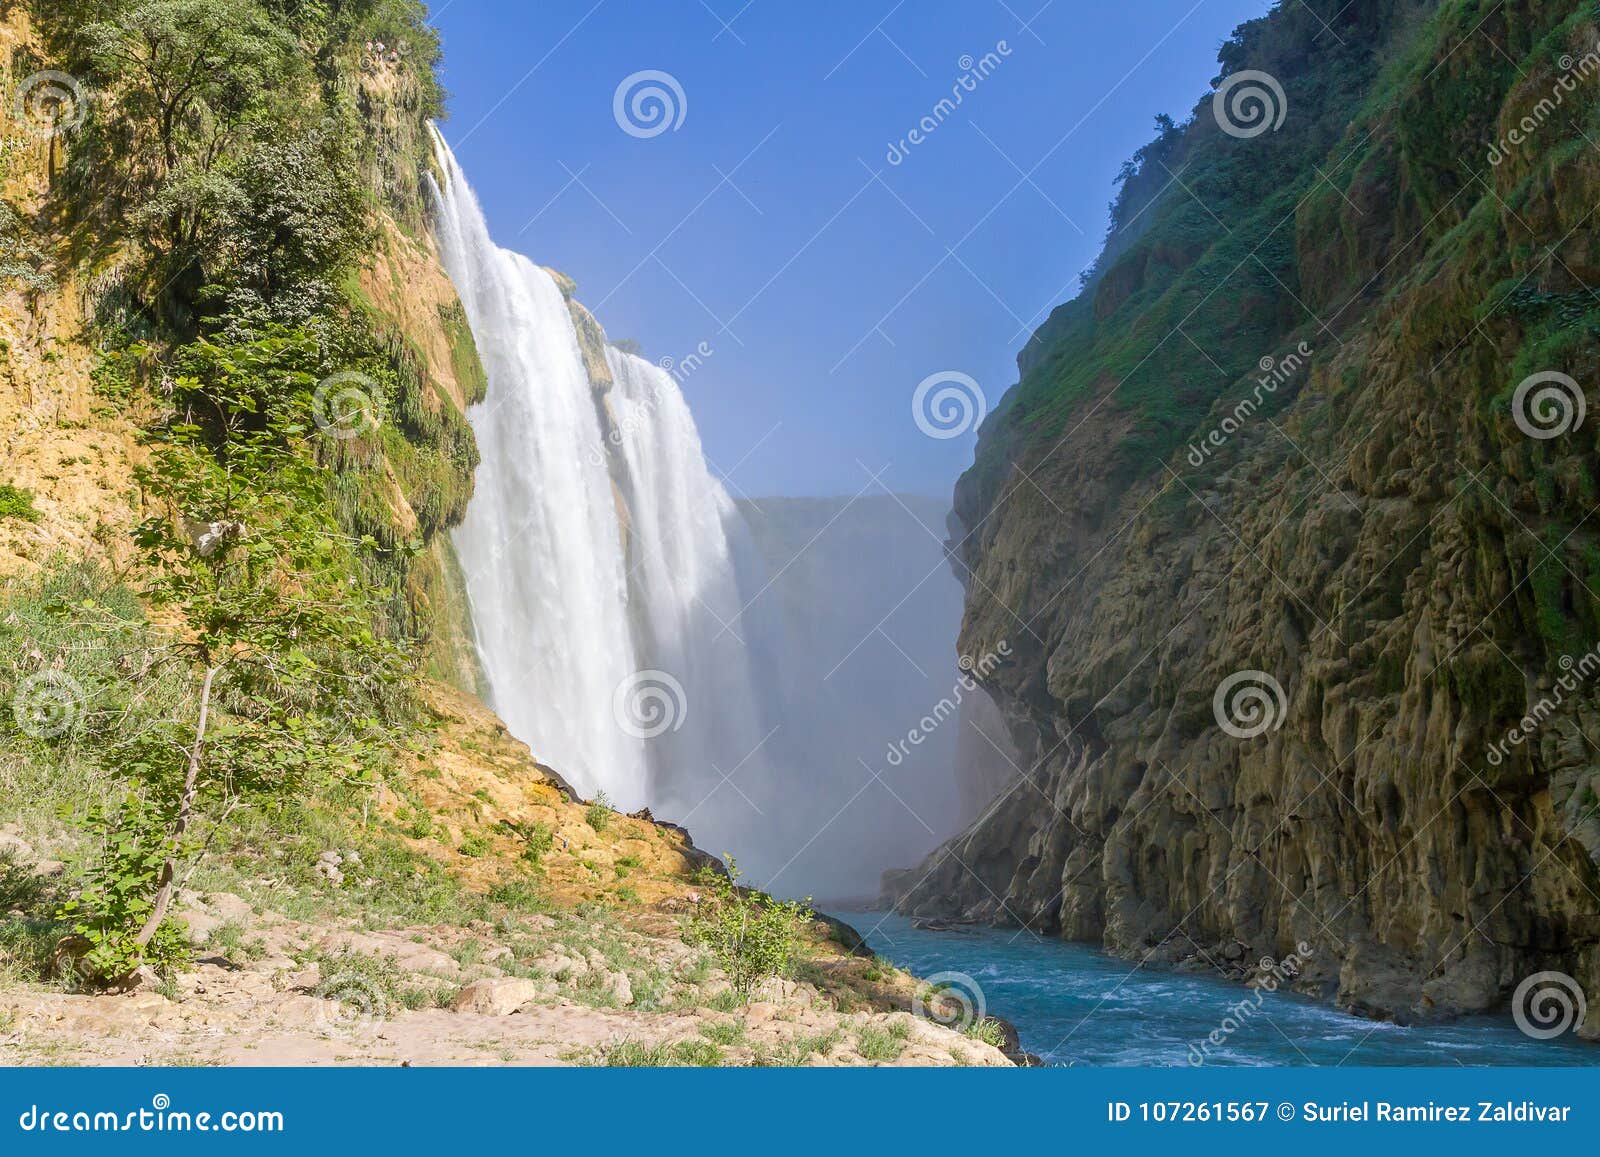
(1279,436)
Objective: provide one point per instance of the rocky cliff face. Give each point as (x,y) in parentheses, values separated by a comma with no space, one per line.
(1283,441)
(72,421)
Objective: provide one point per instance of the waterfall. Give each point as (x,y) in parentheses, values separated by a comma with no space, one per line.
(647,641)
(602,560)
(542,544)
(684,560)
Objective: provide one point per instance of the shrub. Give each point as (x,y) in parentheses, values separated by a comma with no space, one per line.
(800,1049)
(630,1054)
(366,986)
(696,1053)
(117,900)
(21,888)
(693,1053)
(724,1032)
(599,812)
(228,939)
(752,935)
(520,895)
(876,1045)
(536,837)
(16,502)
(27,947)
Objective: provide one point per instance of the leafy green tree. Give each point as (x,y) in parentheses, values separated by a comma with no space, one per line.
(752,936)
(191,84)
(296,226)
(193,75)
(293,685)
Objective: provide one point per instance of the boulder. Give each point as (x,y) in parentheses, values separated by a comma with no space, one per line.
(620,987)
(495,996)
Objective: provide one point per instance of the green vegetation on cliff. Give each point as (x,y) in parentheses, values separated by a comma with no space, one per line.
(231,168)
(1226,252)
(1403,249)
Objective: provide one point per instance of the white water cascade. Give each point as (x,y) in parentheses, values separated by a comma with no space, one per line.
(541,544)
(601,565)
(648,643)
(688,552)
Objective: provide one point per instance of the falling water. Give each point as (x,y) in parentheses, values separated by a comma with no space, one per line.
(690,619)
(635,636)
(541,545)
(603,561)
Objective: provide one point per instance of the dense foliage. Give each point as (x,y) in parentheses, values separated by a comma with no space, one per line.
(228,180)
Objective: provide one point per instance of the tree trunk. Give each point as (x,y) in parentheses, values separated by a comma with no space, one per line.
(169,869)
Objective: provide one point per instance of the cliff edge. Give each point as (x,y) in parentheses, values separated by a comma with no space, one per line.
(1312,434)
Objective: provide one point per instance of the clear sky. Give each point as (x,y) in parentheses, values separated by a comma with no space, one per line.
(770,224)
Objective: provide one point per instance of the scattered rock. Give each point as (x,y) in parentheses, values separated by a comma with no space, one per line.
(760,1012)
(496,996)
(330,872)
(620,988)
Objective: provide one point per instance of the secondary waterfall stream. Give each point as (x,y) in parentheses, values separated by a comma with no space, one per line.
(628,622)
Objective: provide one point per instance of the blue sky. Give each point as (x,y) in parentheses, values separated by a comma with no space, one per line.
(770,225)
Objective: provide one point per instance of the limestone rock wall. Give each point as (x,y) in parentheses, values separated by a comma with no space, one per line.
(1381,538)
